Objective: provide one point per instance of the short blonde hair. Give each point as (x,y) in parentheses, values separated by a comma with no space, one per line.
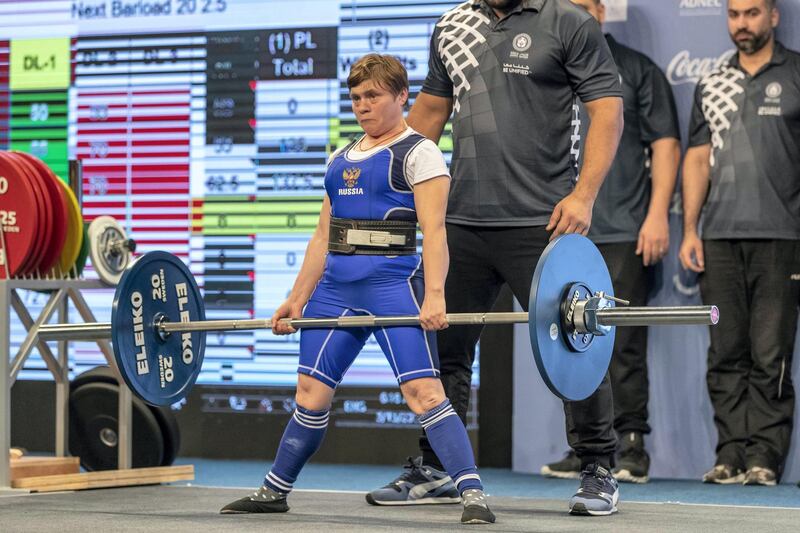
(385,70)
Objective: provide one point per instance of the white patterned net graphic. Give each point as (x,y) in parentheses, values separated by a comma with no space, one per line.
(719,90)
(458,38)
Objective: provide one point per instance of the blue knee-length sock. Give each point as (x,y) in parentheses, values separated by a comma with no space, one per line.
(301,439)
(448,438)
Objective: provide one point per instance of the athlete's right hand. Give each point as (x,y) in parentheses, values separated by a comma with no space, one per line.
(288,309)
(691,253)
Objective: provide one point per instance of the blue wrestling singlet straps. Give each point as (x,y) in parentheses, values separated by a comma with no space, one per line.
(375,188)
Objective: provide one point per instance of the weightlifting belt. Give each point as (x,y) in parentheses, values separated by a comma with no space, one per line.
(372,237)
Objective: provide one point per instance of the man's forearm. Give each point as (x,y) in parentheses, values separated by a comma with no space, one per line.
(666,156)
(602,141)
(695,187)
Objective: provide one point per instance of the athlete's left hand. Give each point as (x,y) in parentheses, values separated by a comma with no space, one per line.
(433,315)
(653,239)
(573,214)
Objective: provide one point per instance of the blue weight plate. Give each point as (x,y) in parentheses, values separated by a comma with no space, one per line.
(159,371)
(570,375)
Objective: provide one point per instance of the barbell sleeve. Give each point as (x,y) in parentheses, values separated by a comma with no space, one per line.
(658,316)
(92,331)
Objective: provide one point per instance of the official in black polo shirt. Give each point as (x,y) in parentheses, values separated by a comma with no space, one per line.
(631,228)
(510,71)
(743,171)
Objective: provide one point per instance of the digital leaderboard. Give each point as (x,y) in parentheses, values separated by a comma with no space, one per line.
(204,127)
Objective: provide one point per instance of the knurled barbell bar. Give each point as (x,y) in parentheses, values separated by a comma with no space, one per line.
(158,322)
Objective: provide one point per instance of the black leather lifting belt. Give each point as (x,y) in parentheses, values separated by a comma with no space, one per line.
(372,237)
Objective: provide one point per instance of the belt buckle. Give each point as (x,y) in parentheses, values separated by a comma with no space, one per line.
(383,239)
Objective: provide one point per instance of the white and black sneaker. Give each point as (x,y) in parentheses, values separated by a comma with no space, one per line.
(476,509)
(724,474)
(264,500)
(598,494)
(759,475)
(417,485)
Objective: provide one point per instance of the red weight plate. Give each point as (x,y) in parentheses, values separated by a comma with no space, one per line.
(59,214)
(45,225)
(19,235)
(24,213)
(35,209)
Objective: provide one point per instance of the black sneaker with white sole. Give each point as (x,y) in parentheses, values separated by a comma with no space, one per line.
(724,474)
(264,500)
(633,464)
(598,494)
(567,468)
(759,475)
(418,485)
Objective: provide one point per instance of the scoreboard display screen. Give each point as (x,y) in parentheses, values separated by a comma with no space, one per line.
(203,126)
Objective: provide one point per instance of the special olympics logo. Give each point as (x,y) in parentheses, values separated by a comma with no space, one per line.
(685,69)
(774,90)
(522,42)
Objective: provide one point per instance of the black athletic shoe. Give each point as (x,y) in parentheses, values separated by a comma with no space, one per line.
(634,463)
(417,485)
(567,468)
(476,510)
(264,500)
(598,494)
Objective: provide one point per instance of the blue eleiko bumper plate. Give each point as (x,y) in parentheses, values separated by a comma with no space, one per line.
(569,374)
(158,370)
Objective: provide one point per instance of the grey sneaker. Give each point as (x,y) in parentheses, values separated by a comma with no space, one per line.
(476,510)
(758,475)
(264,500)
(417,485)
(598,494)
(724,475)
(567,468)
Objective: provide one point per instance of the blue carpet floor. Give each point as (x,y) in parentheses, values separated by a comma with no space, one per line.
(498,482)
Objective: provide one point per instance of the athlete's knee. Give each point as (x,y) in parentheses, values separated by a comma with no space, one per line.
(313,394)
(423,394)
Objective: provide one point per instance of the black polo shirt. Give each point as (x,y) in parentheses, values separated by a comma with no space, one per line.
(753,126)
(515,125)
(650,115)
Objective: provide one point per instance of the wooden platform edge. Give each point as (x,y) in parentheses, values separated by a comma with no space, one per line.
(33,466)
(106,479)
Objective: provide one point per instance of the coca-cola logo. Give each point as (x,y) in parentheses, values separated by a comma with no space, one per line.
(685,69)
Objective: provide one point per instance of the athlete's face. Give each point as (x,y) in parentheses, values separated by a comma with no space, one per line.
(377,110)
(751,24)
(594,7)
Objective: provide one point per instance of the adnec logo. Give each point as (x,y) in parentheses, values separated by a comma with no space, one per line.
(687,69)
(690,8)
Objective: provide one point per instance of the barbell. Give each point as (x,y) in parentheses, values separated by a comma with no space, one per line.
(158,322)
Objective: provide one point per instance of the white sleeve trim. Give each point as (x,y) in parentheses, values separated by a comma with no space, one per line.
(424,162)
(334,154)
